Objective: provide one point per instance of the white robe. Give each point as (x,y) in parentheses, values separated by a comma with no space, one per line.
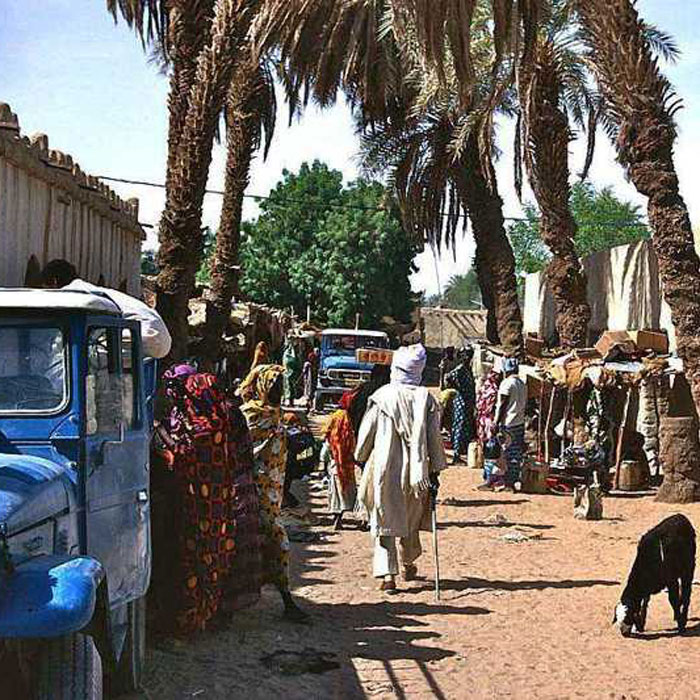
(400,442)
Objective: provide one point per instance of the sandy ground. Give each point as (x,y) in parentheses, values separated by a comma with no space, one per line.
(517,619)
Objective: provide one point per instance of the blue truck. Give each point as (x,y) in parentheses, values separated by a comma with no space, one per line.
(339,367)
(75,551)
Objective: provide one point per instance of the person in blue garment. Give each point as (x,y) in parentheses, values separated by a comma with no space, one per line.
(461,380)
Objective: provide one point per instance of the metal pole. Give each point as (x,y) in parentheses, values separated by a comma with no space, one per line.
(433,508)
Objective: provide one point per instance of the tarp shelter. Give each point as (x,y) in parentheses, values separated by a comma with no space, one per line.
(624,293)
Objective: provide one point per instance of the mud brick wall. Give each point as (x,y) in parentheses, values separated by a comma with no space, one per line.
(50,208)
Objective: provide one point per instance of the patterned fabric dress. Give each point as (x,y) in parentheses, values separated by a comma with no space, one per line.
(486,408)
(342,489)
(211,459)
(270,448)
(462,381)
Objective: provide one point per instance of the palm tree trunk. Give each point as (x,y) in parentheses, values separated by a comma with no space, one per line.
(189,26)
(241,135)
(642,103)
(546,150)
(180,233)
(494,260)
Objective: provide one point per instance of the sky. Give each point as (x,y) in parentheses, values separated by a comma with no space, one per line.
(68,71)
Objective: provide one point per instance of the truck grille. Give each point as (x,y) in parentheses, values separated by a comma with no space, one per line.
(347,377)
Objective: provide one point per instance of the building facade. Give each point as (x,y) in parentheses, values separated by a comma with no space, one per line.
(50,209)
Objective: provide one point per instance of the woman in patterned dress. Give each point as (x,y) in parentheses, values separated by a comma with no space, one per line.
(461,380)
(261,392)
(207,449)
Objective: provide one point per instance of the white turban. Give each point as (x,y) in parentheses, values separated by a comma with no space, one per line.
(407,365)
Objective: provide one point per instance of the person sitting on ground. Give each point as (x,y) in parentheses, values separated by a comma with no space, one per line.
(155,338)
(510,418)
(400,443)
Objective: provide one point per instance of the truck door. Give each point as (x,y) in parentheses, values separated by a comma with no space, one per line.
(116,477)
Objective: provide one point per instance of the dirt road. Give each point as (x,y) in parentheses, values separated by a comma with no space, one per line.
(522,615)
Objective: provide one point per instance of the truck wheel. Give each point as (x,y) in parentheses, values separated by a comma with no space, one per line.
(69,668)
(127,677)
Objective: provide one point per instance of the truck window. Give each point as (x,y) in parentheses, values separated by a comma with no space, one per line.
(104,403)
(33,375)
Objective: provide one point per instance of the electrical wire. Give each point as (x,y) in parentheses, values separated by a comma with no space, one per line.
(332,205)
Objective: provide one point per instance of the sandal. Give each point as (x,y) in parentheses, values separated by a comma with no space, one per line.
(410,572)
(388,585)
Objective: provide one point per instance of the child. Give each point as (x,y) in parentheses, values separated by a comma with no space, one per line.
(494,465)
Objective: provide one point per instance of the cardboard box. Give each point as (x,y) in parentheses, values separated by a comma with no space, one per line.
(534,346)
(650,340)
(620,340)
(374,356)
(631,342)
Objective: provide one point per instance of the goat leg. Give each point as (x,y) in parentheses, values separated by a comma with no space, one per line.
(643,614)
(674,598)
(686,590)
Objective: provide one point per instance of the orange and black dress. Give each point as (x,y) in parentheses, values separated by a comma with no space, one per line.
(213,464)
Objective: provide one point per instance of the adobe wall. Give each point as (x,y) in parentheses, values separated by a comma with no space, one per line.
(50,208)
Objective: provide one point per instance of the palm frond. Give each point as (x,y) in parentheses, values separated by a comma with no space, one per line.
(149,18)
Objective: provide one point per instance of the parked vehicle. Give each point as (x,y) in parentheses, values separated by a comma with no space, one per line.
(75,550)
(339,368)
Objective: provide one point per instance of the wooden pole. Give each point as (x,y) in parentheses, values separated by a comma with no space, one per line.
(620,439)
(548,424)
(567,411)
(539,424)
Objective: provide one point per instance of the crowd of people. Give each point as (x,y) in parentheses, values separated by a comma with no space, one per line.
(220,460)
(228,454)
(491,418)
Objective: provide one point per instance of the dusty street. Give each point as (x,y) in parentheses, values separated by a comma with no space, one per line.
(522,619)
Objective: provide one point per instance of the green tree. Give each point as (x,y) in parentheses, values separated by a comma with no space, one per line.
(149,265)
(603,221)
(340,249)
(209,245)
(461,292)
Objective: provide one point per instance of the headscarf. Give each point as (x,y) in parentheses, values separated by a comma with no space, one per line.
(257,385)
(199,406)
(510,365)
(408,364)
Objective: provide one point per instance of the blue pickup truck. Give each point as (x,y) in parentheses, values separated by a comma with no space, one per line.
(75,550)
(339,368)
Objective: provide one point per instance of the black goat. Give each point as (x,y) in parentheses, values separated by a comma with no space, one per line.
(665,555)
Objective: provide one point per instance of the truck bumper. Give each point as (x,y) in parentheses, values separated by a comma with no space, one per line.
(49,596)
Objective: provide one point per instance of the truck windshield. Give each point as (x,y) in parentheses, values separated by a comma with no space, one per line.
(347,344)
(32,369)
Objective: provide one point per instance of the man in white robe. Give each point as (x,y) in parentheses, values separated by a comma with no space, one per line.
(400,442)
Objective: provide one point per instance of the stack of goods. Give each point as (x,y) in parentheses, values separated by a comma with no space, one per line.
(577,465)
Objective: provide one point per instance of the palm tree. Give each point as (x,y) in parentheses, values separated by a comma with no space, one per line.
(250,113)
(331,45)
(642,104)
(545,136)
(203,39)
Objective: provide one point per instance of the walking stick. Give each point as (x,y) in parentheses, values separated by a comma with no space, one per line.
(433,513)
